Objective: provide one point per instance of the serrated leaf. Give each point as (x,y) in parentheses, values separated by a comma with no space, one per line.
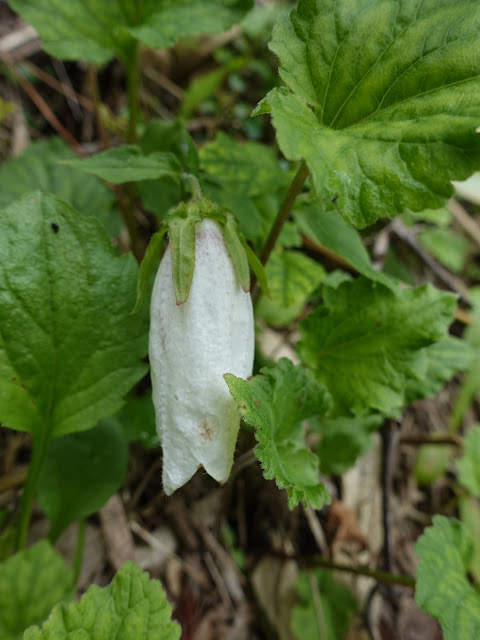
(128,164)
(81,471)
(69,347)
(329,229)
(317,589)
(445,552)
(132,607)
(275,403)
(468,465)
(31,583)
(367,342)
(385,101)
(95,30)
(39,168)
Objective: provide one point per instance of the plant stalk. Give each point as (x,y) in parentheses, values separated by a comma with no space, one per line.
(39,449)
(295,187)
(380,576)
(133,84)
(79,547)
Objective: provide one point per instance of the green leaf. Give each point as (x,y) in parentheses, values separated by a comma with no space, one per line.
(367,342)
(469,509)
(471,383)
(292,277)
(343,440)
(242,177)
(160,135)
(468,465)
(444,359)
(81,472)
(385,102)
(445,552)
(205,85)
(275,403)
(132,607)
(95,30)
(164,193)
(137,418)
(167,21)
(328,229)
(69,347)
(318,590)
(92,30)
(31,583)
(39,168)
(128,164)
(446,246)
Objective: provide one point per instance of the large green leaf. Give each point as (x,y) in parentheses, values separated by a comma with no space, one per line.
(81,471)
(69,346)
(368,341)
(39,167)
(32,582)
(445,552)
(132,607)
(95,30)
(385,102)
(275,403)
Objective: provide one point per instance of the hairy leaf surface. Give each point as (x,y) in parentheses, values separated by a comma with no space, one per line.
(383,100)
(445,551)
(275,403)
(69,346)
(95,30)
(32,582)
(367,342)
(131,607)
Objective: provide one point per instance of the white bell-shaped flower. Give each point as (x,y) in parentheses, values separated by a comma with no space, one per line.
(191,346)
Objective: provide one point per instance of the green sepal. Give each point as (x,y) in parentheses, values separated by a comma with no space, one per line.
(237,252)
(181,233)
(257,267)
(148,267)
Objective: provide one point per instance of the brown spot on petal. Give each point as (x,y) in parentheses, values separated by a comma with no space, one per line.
(206,429)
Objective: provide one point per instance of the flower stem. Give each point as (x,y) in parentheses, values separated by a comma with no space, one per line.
(295,187)
(39,449)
